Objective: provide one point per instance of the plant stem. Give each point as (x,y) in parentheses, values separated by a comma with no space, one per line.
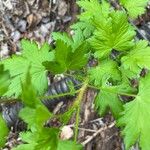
(77,105)
(8,100)
(59,95)
(121,93)
(77,123)
(5,100)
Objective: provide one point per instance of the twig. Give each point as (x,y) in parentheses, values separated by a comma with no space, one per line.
(92,121)
(83,129)
(115,4)
(88,130)
(98,132)
(139,32)
(96,120)
(4,29)
(27,8)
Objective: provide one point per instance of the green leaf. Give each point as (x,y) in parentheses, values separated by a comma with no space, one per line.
(69,145)
(59,65)
(106,100)
(105,69)
(48,139)
(78,39)
(63,37)
(112,33)
(54,67)
(77,59)
(135,7)
(37,136)
(66,58)
(86,28)
(28,95)
(25,147)
(29,138)
(39,114)
(112,84)
(62,52)
(109,97)
(3,131)
(136,117)
(74,42)
(4,80)
(18,66)
(93,8)
(137,59)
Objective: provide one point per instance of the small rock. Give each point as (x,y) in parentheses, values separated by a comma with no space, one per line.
(32,20)
(43,14)
(38,36)
(51,26)
(143,32)
(31,2)
(8,4)
(15,36)
(67,19)
(48,25)
(54,1)
(50,40)
(22,24)
(66,133)
(44,30)
(30,35)
(44,4)
(45,19)
(62,8)
(4,50)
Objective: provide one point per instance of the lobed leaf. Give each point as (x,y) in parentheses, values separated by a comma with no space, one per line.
(84,26)
(137,59)
(135,8)
(39,114)
(66,58)
(4,80)
(18,66)
(3,131)
(106,69)
(93,8)
(136,116)
(109,97)
(113,33)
